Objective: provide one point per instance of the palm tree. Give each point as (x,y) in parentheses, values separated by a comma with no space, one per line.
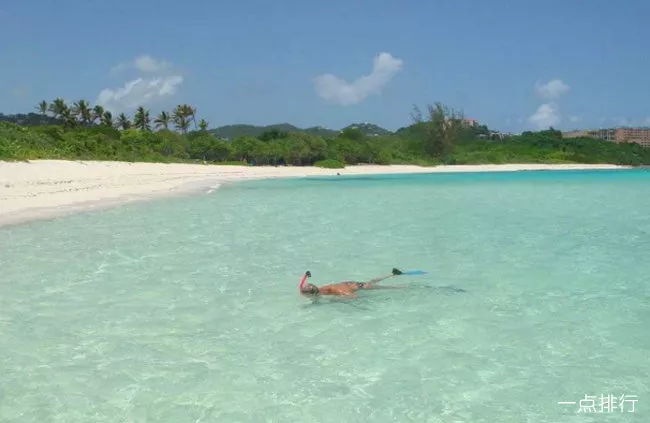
(107,119)
(82,109)
(42,107)
(162,120)
(181,116)
(123,122)
(141,119)
(203,125)
(191,113)
(98,113)
(58,108)
(69,118)
(42,110)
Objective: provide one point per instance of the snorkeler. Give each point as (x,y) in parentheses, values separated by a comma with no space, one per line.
(346,288)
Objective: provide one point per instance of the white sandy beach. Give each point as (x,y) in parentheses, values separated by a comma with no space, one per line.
(48,188)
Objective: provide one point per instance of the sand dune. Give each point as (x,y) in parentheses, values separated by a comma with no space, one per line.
(48,188)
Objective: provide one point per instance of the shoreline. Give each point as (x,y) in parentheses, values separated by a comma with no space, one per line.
(49,189)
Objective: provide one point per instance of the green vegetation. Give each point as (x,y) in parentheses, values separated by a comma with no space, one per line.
(230,132)
(329,164)
(439,136)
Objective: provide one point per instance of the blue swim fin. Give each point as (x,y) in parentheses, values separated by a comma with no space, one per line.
(414,272)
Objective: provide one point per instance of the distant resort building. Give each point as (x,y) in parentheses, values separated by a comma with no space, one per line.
(618,135)
(465,122)
(470,122)
(495,135)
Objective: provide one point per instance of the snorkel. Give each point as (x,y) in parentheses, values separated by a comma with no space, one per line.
(309,289)
(304,279)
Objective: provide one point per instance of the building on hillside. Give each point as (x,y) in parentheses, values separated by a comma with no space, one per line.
(575,134)
(603,134)
(465,122)
(637,135)
(618,135)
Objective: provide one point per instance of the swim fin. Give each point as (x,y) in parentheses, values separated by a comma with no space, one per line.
(414,272)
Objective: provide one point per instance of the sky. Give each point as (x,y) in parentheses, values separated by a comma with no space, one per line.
(512,65)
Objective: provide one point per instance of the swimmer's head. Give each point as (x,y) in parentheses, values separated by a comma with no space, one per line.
(309,289)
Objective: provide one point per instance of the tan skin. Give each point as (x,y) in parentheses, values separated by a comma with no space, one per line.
(338,289)
(345,289)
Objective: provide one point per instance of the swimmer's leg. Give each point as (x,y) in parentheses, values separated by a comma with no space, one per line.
(396,272)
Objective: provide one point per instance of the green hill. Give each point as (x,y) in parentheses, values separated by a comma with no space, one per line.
(322,131)
(230,132)
(369,129)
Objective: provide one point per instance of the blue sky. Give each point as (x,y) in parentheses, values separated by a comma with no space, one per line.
(513,65)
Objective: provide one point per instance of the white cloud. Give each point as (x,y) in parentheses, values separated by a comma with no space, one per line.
(144,63)
(552,90)
(332,88)
(161,82)
(574,119)
(150,65)
(546,115)
(138,92)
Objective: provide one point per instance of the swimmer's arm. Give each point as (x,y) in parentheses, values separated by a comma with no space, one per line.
(379,279)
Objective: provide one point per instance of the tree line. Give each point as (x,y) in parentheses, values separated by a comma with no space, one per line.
(82,113)
(439,135)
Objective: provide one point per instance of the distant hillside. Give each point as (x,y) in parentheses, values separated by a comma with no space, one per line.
(229,132)
(369,129)
(234,131)
(321,131)
(29,119)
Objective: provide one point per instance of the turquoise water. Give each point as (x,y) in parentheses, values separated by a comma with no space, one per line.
(186,309)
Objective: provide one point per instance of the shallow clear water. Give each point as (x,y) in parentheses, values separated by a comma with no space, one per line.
(186,309)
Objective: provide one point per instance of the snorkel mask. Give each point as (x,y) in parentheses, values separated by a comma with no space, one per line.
(309,289)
